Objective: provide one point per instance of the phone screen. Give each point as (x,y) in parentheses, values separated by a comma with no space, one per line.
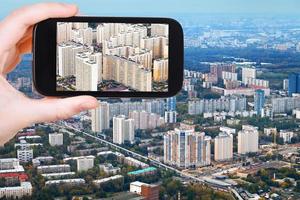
(129,57)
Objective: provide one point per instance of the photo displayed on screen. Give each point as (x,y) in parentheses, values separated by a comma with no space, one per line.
(112,57)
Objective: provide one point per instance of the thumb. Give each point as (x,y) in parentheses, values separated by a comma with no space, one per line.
(54,109)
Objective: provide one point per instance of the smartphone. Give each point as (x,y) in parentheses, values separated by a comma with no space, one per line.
(108,57)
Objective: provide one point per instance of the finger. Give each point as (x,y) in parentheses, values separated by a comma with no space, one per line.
(53,109)
(16,24)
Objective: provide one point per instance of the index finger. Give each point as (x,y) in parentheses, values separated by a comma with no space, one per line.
(13,27)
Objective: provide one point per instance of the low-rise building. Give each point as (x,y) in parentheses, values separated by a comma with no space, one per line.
(75,181)
(148,191)
(109,168)
(17,192)
(53,169)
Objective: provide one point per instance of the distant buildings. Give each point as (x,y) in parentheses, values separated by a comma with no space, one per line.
(148,191)
(123,108)
(218,69)
(145,120)
(186,148)
(123,129)
(100,117)
(285,104)
(56,139)
(85,163)
(248,140)
(285,84)
(259,101)
(294,83)
(223,147)
(286,135)
(248,73)
(228,103)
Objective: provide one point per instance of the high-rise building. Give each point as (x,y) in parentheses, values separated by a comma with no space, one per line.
(186,148)
(88,71)
(248,72)
(227,104)
(66,58)
(285,104)
(100,117)
(64,30)
(160,70)
(259,101)
(217,69)
(248,140)
(157,44)
(170,117)
(285,84)
(160,30)
(56,139)
(123,129)
(294,83)
(171,104)
(127,72)
(223,147)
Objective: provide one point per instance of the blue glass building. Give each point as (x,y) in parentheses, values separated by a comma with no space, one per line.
(171,104)
(259,101)
(294,83)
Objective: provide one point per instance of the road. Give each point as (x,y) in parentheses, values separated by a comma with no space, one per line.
(152,161)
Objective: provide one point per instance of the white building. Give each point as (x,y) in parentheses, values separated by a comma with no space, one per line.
(25,155)
(248,72)
(170,117)
(248,140)
(223,147)
(100,117)
(16,192)
(286,135)
(85,163)
(45,169)
(56,139)
(75,181)
(228,130)
(270,131)
(123,129)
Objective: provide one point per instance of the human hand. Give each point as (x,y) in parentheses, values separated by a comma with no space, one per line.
(16,110)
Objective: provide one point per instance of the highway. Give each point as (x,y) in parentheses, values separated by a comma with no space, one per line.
(152,161)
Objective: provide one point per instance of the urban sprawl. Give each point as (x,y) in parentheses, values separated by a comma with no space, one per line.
(232,132)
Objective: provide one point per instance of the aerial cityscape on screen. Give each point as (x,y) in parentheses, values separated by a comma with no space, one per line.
(112,57)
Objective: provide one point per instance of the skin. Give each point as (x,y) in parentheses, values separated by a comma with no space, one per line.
(16,110)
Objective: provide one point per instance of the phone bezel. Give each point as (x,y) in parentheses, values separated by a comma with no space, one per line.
(44,56)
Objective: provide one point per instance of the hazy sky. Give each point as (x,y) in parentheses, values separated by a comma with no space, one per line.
(169,7)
